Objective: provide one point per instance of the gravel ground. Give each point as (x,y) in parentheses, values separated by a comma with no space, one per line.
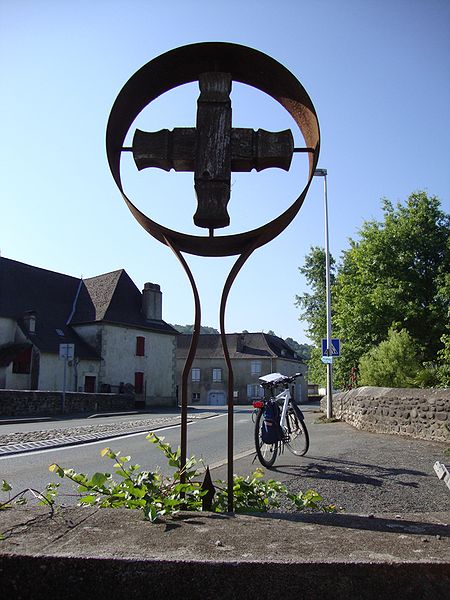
(105,428)
(368,473)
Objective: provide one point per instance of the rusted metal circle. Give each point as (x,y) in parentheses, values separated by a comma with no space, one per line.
(184,65)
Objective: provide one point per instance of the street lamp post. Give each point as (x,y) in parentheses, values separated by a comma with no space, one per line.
(323,173)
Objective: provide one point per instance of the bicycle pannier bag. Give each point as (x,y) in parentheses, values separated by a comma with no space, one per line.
(271,432)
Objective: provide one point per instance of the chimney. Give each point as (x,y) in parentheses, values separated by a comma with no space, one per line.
(240,342)
(29,319)
(152,302)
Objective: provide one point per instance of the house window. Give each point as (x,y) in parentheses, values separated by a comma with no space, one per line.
(217,375)
(195,374)
(140,346)
(256,367)
(22,362)
(138,382)
(196,397)
(254,391)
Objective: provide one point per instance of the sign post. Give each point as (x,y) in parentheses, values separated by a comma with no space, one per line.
(66,352)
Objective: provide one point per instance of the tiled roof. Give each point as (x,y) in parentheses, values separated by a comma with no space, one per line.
(240,345)
(50,296)
(60,301)
(114,298)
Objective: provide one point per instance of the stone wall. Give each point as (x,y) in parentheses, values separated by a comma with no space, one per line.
(417,413)
(16,403)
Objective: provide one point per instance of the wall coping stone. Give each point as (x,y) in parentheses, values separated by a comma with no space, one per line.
(200,555)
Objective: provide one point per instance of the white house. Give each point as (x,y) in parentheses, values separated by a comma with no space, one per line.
(117,332)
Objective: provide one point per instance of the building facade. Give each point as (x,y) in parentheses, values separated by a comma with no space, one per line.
(116,334)
(252,356)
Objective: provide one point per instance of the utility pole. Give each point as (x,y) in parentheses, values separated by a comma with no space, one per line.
(323,173)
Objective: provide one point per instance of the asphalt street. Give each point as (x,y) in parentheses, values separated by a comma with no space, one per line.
(26,455)
(362,473)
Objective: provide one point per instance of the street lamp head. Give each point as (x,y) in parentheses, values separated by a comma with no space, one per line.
(320,173)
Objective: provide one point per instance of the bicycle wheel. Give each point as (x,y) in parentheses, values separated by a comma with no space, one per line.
(267,453)
(297,434)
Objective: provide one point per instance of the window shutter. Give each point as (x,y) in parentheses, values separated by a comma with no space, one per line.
(140,346)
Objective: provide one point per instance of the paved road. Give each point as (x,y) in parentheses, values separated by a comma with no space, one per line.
(360,472)
(206,440)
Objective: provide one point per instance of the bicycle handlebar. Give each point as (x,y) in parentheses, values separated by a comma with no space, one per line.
(272,380)
(292,378)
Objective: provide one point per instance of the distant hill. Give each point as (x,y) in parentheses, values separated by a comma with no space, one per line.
(190,329)
(303,350)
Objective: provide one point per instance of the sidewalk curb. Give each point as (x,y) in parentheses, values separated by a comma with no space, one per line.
(14,448)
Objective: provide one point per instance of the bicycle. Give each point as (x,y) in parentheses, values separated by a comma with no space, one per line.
(292,428)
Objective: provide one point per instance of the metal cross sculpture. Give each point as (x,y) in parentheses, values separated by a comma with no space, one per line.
(212,150)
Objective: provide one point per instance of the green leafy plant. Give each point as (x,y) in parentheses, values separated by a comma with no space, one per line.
(250,494)
(393,363)
(311,500)
(148,491)
(46,497)
(157,495)
(255,494)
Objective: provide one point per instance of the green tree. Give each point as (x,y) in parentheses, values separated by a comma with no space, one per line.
(395,274)
(190,329)
(443,369)
(313,308)
(393,363)
(303,350)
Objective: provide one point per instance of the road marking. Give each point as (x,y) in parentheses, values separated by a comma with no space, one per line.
(81,443)
(214,417)
(224,462)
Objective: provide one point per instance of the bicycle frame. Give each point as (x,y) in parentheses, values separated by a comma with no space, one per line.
(285,395)
(270,382)
(293,434)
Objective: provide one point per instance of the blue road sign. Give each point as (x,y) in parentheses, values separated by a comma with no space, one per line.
(327,359)
(335,349)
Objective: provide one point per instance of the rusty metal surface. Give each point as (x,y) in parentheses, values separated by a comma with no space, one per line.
(175,68)
(230,420)
(184,65)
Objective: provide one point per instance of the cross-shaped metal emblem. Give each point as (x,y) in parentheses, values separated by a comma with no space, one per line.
(212,150)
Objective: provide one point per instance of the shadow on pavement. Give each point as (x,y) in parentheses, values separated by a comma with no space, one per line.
(350,521)
(347,471)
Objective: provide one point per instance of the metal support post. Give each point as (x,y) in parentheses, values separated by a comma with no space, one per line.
(323,173)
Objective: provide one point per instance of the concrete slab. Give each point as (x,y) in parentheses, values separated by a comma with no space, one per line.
(213,556)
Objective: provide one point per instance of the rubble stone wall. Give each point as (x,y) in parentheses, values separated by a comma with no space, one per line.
(418,413)
(28,403)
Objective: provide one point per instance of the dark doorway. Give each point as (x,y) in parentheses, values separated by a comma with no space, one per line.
(89,384)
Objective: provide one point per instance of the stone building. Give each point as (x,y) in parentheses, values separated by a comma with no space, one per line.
(117,333)
(252,355)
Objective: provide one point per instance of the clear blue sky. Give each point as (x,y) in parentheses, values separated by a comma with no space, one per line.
(377,72)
